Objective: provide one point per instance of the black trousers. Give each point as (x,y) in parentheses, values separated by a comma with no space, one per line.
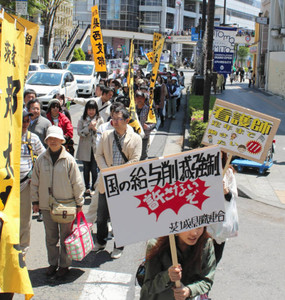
(102,220)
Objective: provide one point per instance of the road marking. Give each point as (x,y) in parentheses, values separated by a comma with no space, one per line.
(106,285)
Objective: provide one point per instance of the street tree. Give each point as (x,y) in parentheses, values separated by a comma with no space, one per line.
(48,14)
(242,53)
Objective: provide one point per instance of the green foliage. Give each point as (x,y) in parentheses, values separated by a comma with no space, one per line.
(143,63)
(81,54)
(76,55)
(197,125)
(197,130)
(243,52)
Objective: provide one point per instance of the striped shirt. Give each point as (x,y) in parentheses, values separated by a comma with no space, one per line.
(117,156)
(26,164)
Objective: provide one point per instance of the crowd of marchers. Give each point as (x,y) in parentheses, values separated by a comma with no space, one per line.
(49,168)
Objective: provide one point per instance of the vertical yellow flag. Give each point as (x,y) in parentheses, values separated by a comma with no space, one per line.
(31,34)
(156,38)
(134,121)
(150,56)
(14,274)
(97,41)
(151,115)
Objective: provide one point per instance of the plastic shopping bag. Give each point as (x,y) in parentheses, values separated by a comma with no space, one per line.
(80,242)
(229,228)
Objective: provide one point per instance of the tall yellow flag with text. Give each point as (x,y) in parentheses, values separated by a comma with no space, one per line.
(97,41)
(134,120)
(151,114)
(14,274)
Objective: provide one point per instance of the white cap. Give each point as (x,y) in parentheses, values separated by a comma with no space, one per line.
(56,132)
(174,78)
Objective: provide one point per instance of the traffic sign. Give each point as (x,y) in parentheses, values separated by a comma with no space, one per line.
(262,20)
(22,7)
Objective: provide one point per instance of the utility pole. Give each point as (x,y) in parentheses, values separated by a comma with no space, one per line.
(209,58)
(225,9)
(203,33)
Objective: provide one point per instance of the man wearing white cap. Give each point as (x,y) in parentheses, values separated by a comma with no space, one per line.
(56,170)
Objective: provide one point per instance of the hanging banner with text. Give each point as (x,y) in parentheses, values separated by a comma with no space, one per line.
(97,41)
(224,47)
(155,67)
(14,274)
(241,131)
(165,196)
(134,120)
(156,37)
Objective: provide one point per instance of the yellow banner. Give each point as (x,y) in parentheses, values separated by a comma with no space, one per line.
(97,41)
(151,115)
(134,121)
(14,274)
(31,34)
(150,56)
(156,38)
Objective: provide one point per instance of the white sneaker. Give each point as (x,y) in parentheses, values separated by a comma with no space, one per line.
(116,253)
(98,247)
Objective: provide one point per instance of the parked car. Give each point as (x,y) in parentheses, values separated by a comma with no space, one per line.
(60,65)
(47,83)
(34,67)
(85,75)
(160,70)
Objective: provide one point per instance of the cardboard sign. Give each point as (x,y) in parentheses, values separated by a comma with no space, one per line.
(165,196)
(241,131)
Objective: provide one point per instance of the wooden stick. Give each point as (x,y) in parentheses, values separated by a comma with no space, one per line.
(227,164)
(174,255)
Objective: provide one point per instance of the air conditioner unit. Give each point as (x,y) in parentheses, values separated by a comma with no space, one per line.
(282,31)
(274,32)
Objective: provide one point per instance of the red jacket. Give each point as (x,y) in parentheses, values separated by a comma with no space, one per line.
(64,123)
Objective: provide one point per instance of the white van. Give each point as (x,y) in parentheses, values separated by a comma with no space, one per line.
(85,75)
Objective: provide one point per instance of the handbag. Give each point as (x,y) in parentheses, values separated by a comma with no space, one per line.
(62,211)
(229,228)
(80,242)
(140,274)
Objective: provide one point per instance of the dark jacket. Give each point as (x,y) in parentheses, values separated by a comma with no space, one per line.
(157,285)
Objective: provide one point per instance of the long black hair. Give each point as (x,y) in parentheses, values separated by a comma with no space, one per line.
(91,104)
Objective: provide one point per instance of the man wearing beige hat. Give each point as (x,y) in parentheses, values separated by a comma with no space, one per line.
(56,172)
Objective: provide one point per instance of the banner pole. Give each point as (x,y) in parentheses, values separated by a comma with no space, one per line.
(174,255)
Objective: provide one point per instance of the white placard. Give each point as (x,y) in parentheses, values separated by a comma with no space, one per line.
(164,196)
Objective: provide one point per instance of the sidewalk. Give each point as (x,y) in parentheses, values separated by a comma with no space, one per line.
(268,188)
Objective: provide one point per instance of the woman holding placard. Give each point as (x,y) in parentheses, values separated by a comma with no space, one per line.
(195,270)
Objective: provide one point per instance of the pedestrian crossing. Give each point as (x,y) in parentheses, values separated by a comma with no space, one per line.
(107,285)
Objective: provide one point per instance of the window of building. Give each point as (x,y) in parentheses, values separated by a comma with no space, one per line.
(171,3)
(188,23)
(151,2)
(169,20)
(190,6)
